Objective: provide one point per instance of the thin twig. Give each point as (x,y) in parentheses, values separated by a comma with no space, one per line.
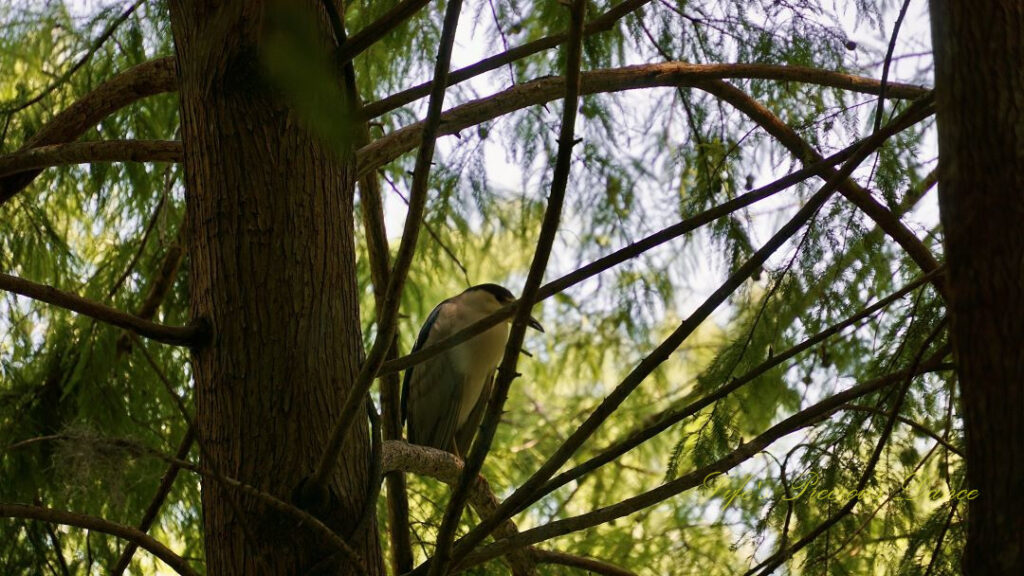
(888,61)
(602,23)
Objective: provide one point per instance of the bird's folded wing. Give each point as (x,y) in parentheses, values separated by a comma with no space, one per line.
(464,435)
(434,390)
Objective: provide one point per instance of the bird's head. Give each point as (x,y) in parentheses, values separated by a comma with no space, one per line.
(491,297)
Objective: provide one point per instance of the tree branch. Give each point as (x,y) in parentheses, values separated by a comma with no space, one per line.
(804,152)
(177,335)
(35,159)
(366,37)
(590,565)
(372,211)
(744,452)
(674,74)
(443,553)
(637,248)
(425,461)
(666,348)
(147,79)
(602,23)
(128,533)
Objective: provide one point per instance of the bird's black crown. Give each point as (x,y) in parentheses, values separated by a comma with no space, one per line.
(500,293)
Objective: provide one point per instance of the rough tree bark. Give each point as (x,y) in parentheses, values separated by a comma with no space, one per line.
(979,87)
(272,269)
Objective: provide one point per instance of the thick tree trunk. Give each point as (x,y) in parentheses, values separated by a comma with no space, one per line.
(272,269)
(979,83)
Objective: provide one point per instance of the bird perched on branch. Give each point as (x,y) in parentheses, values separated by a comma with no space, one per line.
(444,397)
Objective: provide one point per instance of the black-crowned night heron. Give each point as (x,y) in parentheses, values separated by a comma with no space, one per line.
(444,397)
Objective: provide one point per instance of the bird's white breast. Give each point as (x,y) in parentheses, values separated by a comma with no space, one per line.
(476,359)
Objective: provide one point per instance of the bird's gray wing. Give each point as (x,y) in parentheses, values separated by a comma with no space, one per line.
(464,435)
(421,341)
(434,391)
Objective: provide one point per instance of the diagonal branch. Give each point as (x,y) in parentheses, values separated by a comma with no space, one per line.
(854,192)
(40,157)
(177,335)
(372,32)
(668,418)
(372,210)
(443,553)
(641,246)
(744,452)
(674,74)
(128,533)
(666,348)
(147,79)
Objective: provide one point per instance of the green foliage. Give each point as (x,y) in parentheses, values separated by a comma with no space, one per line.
(81,409)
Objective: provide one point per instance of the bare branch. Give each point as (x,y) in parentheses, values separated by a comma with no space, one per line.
(154,77)
(673,74)
(35,159)
(128,533)
(425,461)
(602,23)
(176,335)
(366,37)
(372,210)
(912,423)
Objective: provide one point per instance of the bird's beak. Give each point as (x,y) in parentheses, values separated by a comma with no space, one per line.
(533,323)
